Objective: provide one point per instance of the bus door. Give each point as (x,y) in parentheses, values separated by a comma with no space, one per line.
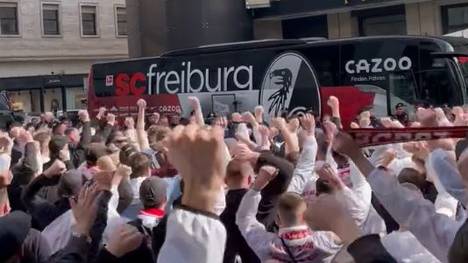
(459,64)
(439,77)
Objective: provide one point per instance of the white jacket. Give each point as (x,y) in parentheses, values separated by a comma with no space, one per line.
(304,170)
(304,245)
(447,173)
(193,237)
(405,248)
(434,231)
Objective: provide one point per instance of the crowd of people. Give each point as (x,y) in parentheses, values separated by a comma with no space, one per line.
(237,189)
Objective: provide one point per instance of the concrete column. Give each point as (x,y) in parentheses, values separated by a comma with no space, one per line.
(333,26)
(346,24)
(268,29)
(423,19)
(342,25)
(413,23)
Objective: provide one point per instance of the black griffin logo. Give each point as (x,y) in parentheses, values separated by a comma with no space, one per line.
(283,79)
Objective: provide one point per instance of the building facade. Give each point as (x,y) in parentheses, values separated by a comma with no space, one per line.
(351,18)
(160,25)
(47,48)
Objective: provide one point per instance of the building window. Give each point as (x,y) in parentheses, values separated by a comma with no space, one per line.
(88,20)
(121,19)
(313,26)
(382,21)
(454,18)
(50,19)
(8,19)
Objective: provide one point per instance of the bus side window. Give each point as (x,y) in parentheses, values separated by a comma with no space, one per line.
(325,61)
(437,83)
(402,88)
(437,87)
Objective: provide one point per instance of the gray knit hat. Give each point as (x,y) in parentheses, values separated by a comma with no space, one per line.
(153,192)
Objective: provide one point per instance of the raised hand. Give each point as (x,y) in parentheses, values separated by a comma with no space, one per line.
(326,173)
(426,117)
(236,117)
(130,123)
(364,119)
(386,158)
(259,113)
(156,117)
(199,155)
(56,169)
(194,103)
(242,152)
(333,102)
(110,119)
(84,209)
(123,171)
(48,117)
(330,130)
(25,136)
(221,122)
(386,122)
(83,116)
(265,175)
(141,103)
(279,123)
(124,239)
(293,125)
(101,112)
(265,134)
(308,123)
(354,125)
(343,143)
(103,180)
(248,117)
(6,143)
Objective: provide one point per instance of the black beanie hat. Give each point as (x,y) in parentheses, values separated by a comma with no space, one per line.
(14,227)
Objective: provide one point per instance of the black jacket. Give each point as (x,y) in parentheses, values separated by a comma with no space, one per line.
(235,242)
(42,211)
(35,248)
(271,193)
(23,173)
(369,249)
(78,153)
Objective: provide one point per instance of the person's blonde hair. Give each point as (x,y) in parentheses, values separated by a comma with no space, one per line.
(289,205)
(155,136)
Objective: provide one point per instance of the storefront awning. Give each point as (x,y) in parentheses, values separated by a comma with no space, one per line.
(37,82)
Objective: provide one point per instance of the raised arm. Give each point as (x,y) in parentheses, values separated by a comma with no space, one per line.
(142,136)
(251,229)
(449,175)
(334,105)
(435,231)
(304,170)
(197,153)
(289,134)
(197,110)
(86,130)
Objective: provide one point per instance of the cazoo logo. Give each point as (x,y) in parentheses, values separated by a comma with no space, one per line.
(378,65)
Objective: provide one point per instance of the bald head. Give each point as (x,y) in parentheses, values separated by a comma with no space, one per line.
(239,174)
